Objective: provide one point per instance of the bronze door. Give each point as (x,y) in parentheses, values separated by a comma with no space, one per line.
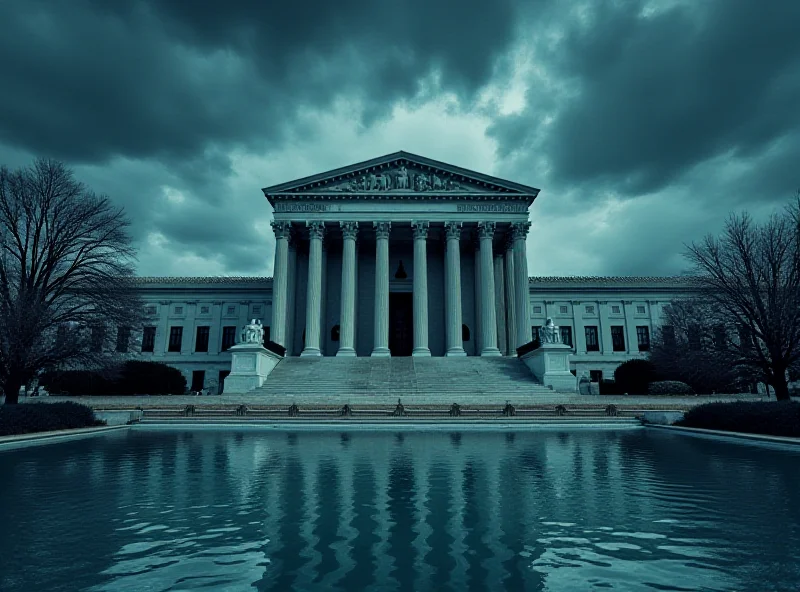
(401,323)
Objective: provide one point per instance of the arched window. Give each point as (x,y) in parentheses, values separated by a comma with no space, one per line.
(335,333)
(464,333)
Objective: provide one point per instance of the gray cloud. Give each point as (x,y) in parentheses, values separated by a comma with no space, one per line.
(643,122)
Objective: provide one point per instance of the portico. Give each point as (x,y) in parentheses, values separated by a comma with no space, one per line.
(400,255)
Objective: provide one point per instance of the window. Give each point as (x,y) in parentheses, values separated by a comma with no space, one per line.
(537,310)
(464,333)
(123,339)
(178,310)
(618,337)
(257,310)
(148,339)
(615,310)
(563,310)
(589,310)
(231,310)
(595,375)
(201,340)
(668,331)
(228,337)
(695,341)
(643,337)
(592,343)
(150,310)
(566,336)
(175,339)
(745,337)
(720,337)
(204,309)
(98,336)
(198,380)
(640,310)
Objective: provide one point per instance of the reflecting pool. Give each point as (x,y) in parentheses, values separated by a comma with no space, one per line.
(234,510)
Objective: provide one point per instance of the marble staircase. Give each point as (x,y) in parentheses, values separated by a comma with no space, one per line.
(439,379)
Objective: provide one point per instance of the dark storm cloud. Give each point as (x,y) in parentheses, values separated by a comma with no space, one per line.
(649,96)
(86,79)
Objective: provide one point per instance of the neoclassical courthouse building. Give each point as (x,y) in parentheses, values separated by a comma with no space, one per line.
(400,256)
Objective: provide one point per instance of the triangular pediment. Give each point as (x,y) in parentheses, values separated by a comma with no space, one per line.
(400,173)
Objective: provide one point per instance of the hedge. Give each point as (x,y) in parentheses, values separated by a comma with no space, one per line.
(634,376)
(45,417)
(669,387)
(132,378)
(772,418)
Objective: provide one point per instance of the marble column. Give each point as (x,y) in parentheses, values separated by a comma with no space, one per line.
(420,287)
(280,283)
(521,290)
(500,301)
(511,317)
(316,230)
(488,311)
(477,333)
(348,300)
(381,336)
(291,311)
(452,287)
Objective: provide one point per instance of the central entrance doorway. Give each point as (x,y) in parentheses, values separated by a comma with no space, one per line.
(401,323)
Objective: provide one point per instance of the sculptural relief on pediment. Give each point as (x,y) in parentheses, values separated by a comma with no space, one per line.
(400,179)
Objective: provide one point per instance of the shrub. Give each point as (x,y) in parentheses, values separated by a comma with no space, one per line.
(774,418)
(45,417)
(132,378)
(634,376)
(669,387)
(609,387)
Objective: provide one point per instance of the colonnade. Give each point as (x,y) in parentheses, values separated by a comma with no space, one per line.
(516,288)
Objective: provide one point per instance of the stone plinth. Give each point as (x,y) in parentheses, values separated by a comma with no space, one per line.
(250,365)
(549,364)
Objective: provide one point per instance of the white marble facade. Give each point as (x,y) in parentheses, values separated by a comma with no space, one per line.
(402,255)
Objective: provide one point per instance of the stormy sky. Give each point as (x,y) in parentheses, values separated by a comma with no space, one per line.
(644,123)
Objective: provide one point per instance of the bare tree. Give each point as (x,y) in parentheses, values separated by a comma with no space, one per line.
(695,346)
(750,275)
(67,296)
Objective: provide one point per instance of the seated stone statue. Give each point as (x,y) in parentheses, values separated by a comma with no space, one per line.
(549,333)
(253,333)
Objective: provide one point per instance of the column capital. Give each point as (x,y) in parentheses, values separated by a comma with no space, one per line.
(281,229)
(316,229)
(452,230)
(420,229)
(349,229)
(382,229)
(486,229)
(519,230)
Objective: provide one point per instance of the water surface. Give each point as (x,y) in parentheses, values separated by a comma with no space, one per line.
(268,510)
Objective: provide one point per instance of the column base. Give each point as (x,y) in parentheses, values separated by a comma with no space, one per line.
(490,352)
(421,352)
(456,352)
(311,352)
(381,352)
(346,352)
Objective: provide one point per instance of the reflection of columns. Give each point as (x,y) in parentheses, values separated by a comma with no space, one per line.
(521,290)
(348,300)
(314,294)
(420,286)
(381,338)
(280,282)
(511,317)
(500,302)
(488,313)
(477,334)
(452,287)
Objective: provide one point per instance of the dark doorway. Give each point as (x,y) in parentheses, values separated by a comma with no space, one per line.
(401,323)
(198,380)
(222,375)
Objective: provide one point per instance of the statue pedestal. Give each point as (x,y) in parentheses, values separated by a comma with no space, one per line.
(251,363)
(549,364)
